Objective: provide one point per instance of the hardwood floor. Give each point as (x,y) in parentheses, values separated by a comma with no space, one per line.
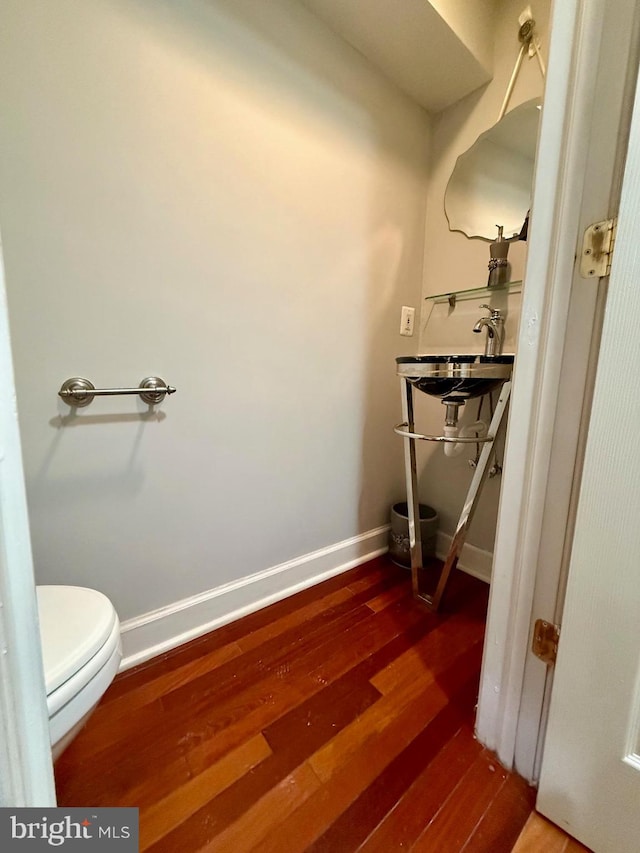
(539,835)
(338,720)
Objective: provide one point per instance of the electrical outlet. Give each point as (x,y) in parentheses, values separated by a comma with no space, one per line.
(406,320)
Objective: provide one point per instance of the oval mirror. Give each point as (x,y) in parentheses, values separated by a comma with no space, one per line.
(491,182)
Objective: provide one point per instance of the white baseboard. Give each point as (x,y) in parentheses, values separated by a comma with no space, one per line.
(474,561)
(158,631)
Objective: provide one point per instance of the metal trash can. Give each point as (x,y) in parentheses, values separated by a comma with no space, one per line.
(399,550)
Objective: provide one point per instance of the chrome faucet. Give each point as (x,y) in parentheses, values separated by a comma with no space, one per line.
(494,325)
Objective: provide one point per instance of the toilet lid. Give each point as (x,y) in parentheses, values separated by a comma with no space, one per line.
(74,625)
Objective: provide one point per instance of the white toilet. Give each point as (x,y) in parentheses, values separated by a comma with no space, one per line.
(80,635)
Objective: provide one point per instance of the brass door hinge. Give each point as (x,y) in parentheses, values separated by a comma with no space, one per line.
(597,248)
(545,641)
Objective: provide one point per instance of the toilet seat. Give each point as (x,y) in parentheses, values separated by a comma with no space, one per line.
(81,649)
(75,623)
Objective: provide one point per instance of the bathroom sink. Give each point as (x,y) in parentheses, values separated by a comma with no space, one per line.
(455,377)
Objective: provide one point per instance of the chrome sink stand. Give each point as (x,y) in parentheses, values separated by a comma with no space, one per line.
(406,430)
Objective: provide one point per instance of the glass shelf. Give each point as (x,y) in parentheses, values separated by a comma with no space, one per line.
(448,319)
(475,292)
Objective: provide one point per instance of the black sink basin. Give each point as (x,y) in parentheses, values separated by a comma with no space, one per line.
(455,377)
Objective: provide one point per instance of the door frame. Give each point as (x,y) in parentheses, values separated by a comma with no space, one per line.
(25,749)
(591,81)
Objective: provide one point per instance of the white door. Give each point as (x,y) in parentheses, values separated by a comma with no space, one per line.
(26,775)
(590,780)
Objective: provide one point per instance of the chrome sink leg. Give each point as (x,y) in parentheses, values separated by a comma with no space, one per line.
(466,516)
(415,540)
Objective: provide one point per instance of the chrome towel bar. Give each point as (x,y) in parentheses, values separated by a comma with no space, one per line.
(79,392)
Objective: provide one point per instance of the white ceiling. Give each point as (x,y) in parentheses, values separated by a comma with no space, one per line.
(435,55)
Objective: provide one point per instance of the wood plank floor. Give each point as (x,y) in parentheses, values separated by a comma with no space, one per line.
(539,835)
(338,720)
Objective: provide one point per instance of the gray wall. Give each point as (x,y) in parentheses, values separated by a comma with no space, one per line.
(455,262)
(223,193)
